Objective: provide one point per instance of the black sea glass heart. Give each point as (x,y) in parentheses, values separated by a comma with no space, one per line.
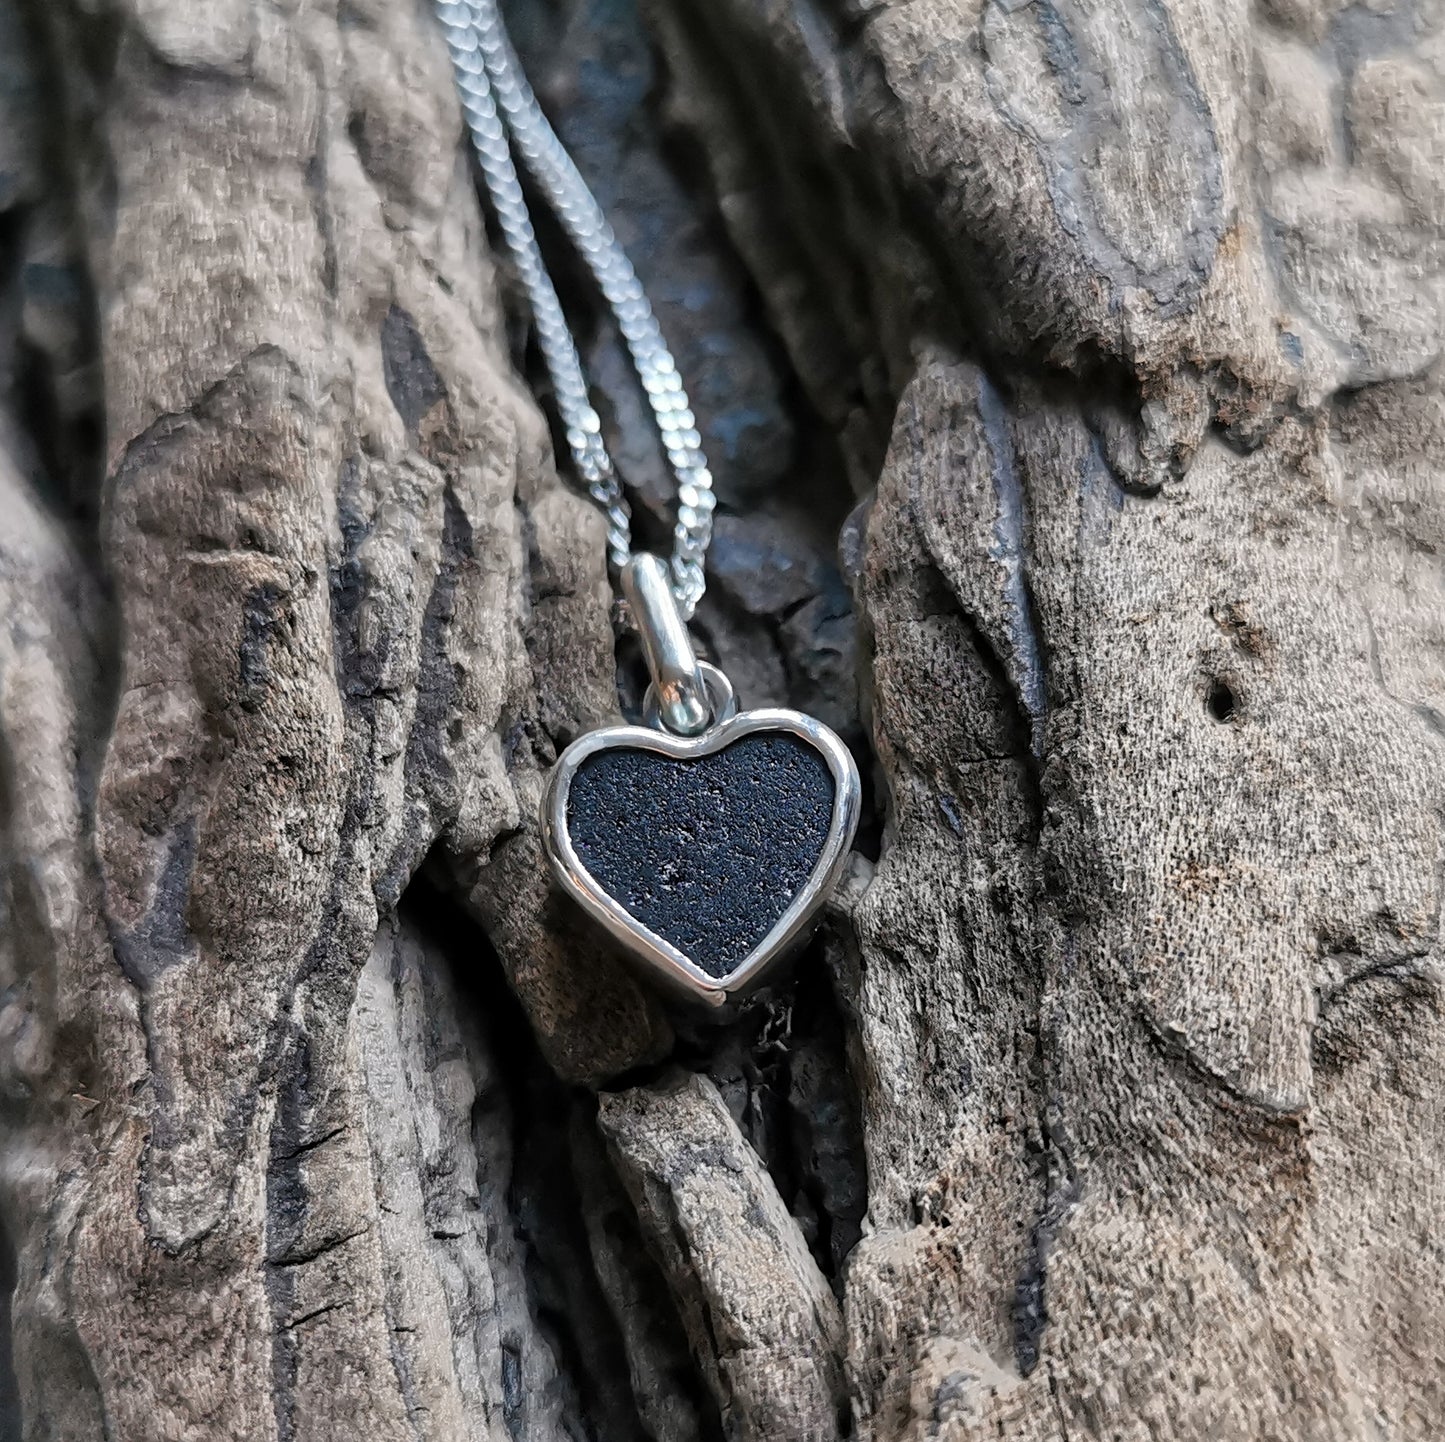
(707,856)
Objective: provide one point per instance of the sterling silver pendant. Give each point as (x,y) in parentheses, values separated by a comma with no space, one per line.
(705,841)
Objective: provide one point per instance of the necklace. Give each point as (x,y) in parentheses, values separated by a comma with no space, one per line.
(705,840)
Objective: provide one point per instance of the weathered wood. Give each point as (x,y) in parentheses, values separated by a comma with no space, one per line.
(1115,327)
(762,1319)
(1155,687)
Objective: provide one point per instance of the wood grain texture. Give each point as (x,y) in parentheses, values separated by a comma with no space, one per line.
(758,1310)
(1164,818)
(1070,370)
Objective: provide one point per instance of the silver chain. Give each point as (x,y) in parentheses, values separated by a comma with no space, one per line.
(503,114)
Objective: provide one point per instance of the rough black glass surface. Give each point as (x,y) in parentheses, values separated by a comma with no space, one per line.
(707,853)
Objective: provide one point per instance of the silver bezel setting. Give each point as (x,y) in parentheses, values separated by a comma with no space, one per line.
(664,959)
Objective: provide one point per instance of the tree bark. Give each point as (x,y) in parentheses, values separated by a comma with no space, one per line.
(1070,372)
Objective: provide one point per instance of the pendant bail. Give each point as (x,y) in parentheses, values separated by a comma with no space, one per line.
(677,679)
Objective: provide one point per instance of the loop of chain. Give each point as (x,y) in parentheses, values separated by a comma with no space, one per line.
(501,113)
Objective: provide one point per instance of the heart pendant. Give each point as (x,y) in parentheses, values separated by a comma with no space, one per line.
(706,856)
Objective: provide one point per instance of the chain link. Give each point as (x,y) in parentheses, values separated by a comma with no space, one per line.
(503,115)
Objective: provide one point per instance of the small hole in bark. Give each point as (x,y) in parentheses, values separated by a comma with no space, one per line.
(1221,701)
